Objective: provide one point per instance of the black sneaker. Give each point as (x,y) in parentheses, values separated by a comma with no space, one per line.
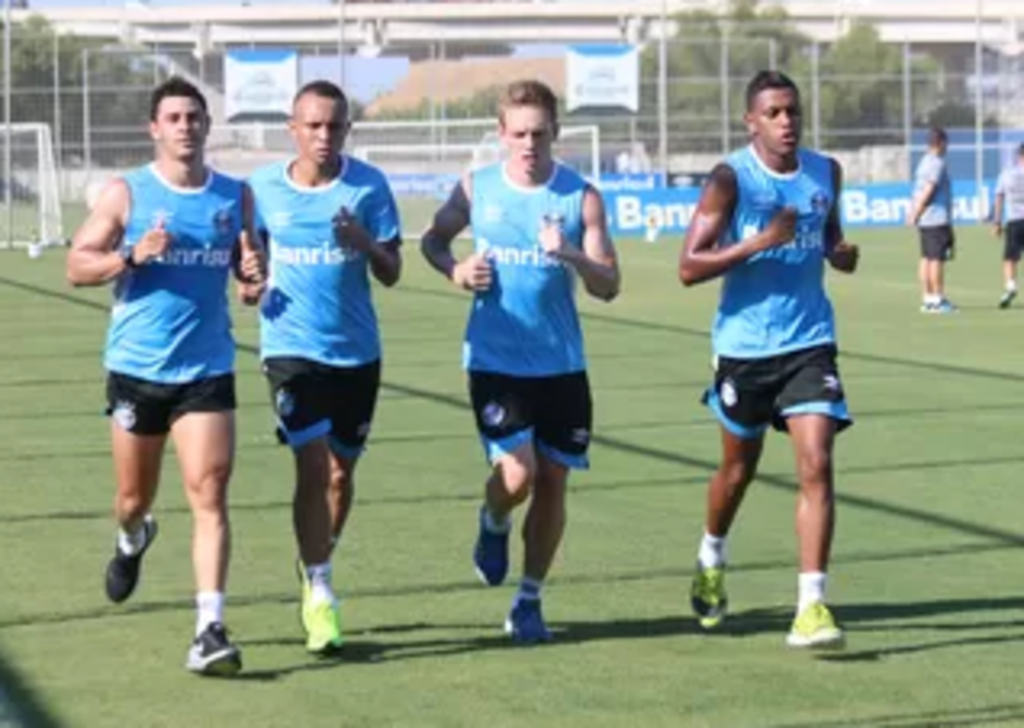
(123,570)
(213,654)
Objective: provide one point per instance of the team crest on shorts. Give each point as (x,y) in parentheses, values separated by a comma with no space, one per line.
(728,394)
(493,414)
(284,402)
(832,384)
(123,414)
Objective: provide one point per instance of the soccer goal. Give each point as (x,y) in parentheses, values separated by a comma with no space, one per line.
(30,209)
(578,146)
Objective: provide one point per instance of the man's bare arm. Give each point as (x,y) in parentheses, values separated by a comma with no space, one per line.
(93,259)
(702,259)
(597,263)
(921,201)
(386,261)
(472,274)
(841,255)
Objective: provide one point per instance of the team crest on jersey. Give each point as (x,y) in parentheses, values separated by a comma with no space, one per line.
(222,219)
(285,403)
(819,202)
(123,414)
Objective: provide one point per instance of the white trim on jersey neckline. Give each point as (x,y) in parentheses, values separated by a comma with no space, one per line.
(318,189)
(771,172)
(178,189)
(531,189)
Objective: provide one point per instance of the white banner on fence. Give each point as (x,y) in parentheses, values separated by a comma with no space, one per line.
(259,81)
(603,75)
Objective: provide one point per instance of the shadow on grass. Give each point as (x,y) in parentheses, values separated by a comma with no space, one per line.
(413,641)
(20,706)
(1010,713)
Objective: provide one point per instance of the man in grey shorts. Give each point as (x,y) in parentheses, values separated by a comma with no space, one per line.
(1008,221)
(931,211)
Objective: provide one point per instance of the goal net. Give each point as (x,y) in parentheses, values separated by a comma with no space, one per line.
(30,209)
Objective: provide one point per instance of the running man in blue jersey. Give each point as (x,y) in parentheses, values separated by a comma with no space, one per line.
(767,222)
(167,236)
(331,221)
(537,227)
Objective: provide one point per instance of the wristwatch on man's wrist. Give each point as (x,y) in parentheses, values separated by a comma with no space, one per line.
(127,255)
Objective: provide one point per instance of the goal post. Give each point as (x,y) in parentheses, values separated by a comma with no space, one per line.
(30,207)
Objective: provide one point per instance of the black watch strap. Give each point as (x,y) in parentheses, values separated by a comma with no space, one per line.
(128,257)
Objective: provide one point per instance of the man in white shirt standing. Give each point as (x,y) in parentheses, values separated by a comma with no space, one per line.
(1008,223)
(931,211)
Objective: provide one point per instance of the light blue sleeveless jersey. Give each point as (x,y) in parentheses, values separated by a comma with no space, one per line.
(775,302)
(170,321)
(526,324)
(318,305)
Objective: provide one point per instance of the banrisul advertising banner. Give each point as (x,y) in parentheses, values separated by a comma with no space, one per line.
(602,76)
(260,82)
(666,210)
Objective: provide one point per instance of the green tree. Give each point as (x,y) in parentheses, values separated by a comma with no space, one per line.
(707,67)
(48,76)
(860,79)
(862,90)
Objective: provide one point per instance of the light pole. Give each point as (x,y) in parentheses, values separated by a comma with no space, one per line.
(663,92)
(7,123)
(979,109)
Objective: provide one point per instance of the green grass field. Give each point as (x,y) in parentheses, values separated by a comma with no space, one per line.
(926,578)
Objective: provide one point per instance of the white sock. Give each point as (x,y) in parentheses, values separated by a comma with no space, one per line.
(493,525)
(529,590)
(1011,285)
(812,588)
(130,544)
(933,299)
(712,551)
(209,609)
(320,582)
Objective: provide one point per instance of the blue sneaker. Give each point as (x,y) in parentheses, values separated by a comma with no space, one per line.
(945,306)
(525,623)
(490,555)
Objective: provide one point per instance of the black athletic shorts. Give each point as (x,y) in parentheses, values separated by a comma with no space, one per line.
(143,407)
(554,412)
(748,395)
(312,400)
(937,243)
(1014,242)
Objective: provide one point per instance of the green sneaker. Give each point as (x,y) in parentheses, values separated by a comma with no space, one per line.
(321,620)
(816,628)
(707,596)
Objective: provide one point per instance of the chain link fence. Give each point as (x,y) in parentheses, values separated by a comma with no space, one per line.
(866,102)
